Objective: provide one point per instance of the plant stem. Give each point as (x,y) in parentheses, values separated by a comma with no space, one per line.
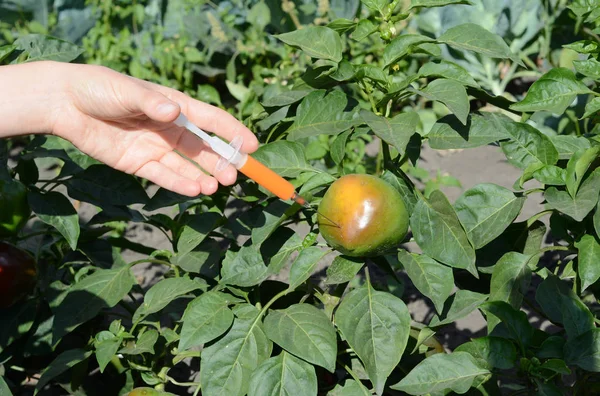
(170,379)
(533,190)
(271,302)
(537,216)
(156,261)
(367,88)
(554,248)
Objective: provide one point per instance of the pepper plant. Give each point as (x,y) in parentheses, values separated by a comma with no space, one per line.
(249,299)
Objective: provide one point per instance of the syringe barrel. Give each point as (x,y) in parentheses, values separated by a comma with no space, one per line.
(268,179)
(226,151)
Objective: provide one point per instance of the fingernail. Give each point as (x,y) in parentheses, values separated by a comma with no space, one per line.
(166,108)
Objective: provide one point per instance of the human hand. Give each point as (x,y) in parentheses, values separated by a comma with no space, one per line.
(126,123)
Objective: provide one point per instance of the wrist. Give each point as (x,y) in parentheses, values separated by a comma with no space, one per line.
(32,97)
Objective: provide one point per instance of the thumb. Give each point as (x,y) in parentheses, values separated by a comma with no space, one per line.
(158,107)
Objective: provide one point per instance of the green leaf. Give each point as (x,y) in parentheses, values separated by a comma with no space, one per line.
(16,322)
(511,277)
(448,70)
(567,145)
(436,3)
(584,350)
(584,47)
(40,47)
(396,131)
(83,301)
(4,389)
(440,372)
(561,305)
(106,349)
(552,347)
(102,185)
(550,175)
(459,305)
(62,363)
(364,29)
(438,231)
(491,352)
(376,5)
(285,98)
(350,388)
(451,93)
(343,269)
(280,254)
(244,268)
(480,130)
(472,37)
(271,218)
(283,375)
(202,260)
(304,331)
(582,204)
(338,147)
(273,118)
(486,210)
(373,73)
(376,325)
(556,366)
(144,344)
(54,209)
(316,41)
(528,146)
(195,230)
(510,281)
(305,264)
(259,15)
(553,92)
(342,25)
(401,46)
(5,51)
(206,318)
(592,108)
(227,365)
(431,278)
(321,114)
(578,166)
(583,7)
(589,68)
(164,292)
(408,195)
(287,159)
(515,320)
(208,94)
(596,220)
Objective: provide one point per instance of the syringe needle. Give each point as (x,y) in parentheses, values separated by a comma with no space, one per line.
(298,199)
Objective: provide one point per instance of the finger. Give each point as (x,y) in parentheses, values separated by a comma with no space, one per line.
(137,98)
(210,118)
(165,177)
(181,166)
(195,149)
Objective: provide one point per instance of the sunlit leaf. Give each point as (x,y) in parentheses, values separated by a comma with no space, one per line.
(440,372)
(555,91)
(376,325)
(304,331)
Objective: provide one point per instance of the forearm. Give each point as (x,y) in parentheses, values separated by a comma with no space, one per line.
(31,96)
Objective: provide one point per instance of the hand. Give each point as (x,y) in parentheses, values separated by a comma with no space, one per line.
(126,123)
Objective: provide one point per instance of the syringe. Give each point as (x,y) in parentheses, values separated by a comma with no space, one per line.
(253,169)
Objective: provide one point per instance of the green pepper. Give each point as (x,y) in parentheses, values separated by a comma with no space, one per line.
(14,208)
